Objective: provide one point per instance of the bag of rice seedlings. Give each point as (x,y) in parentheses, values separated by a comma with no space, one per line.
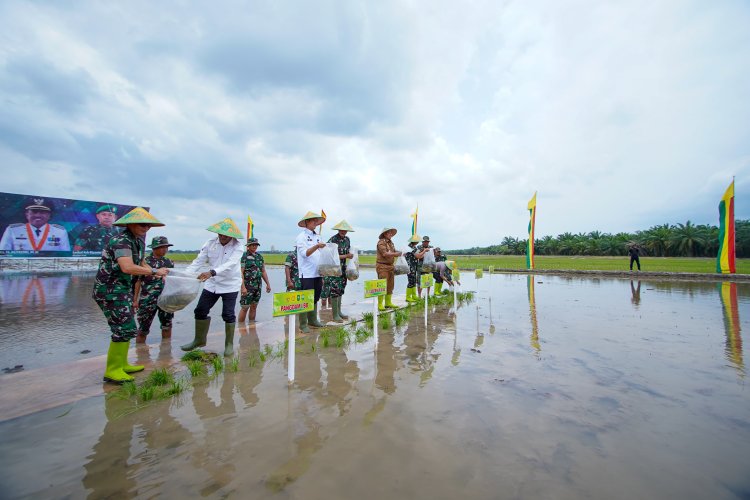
(329,263)
(352,268)
(180,289)
(428,261)
(401,266)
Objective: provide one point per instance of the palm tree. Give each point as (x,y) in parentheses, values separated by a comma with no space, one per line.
(687,239)
(657,239)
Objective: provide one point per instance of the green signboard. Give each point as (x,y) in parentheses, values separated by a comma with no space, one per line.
(287,303)
(375,288)
(427,281)
(478,273)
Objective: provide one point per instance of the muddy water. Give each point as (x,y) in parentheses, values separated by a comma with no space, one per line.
(541,388)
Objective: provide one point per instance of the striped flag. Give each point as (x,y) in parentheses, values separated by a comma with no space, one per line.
(725,259)
(414,218)
(530,246)
(250,227)
(323,214)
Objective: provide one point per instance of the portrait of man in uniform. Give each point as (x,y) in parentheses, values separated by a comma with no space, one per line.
(95,237)
(37,234)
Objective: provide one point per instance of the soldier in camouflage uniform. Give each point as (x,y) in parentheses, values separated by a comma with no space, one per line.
(94,238)
(439,257)
(335,285)
(122,259)
(413,257)
(148,289)
(253,270)
(291,270)
(421,248)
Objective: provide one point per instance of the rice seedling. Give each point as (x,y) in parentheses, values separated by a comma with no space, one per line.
(368,319)
(401,316)
(342,336)
(146,392)
(325,337)
(159,377)
(218,363)
(178,386)
(268,350)
(361,334)
(196,367)
(385,321)
(280,350)
(353,323)
(197,354)
(234,364)
(262,356)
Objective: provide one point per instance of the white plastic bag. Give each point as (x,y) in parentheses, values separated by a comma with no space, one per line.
(329,263)
(180,289)
(401,266)
(352,268)
(428,262)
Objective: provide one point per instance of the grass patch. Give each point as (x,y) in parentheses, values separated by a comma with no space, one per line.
(158,385)
(401,316)
(384,320)
(196,367)
(369,319)
(234,364)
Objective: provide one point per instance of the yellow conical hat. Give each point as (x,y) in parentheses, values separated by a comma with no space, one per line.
(343,226)
(227,227)
(138,216)
(386,229)
(311,215)
(415,238)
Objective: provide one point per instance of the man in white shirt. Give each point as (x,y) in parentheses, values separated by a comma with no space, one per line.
(308,243)
(219,264)
(36,235)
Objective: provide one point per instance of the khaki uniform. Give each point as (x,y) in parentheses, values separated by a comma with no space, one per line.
(384,265)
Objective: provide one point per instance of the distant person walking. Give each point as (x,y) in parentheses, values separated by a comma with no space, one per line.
(634,251)
(122,259)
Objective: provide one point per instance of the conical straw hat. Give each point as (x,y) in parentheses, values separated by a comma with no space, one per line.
(138,216)
(415,238)
(386,229)
(311,215)
(227,227)
(343,226)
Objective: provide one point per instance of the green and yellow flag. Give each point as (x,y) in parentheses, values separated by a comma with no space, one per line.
(530,246)
(725,259)
(250,227)
(414,218)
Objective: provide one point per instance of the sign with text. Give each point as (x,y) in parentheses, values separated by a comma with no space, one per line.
(375,288)
(427,281)
(287,303)
(478,273)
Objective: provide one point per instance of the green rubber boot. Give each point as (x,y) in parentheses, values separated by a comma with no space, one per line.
(381,303)
(129,368)
(312,318)
(388,302)
(336,306)
(303,323)
(116,355)
(438,288)
(201,332)
(229,338)
(341,313)
(411,295)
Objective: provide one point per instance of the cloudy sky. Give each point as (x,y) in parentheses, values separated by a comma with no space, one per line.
(621,114)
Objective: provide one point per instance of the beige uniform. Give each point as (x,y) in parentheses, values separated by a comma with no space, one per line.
(384,265)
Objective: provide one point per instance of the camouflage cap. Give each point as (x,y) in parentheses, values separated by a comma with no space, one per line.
(386,229)
(227,227)
(37,204)
(414,238)
(343,226)
(138,215)
(252,241)
(425,238)
(107,208)
(160,241)
(311,215)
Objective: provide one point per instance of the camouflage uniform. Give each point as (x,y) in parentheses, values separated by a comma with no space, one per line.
(333,286)
(252,273)
(113,289)
(151,288)
(413,262)
(291,263)
(95,237)
(436,274)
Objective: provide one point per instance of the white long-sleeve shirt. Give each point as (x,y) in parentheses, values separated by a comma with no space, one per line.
(308,266)
(225,260)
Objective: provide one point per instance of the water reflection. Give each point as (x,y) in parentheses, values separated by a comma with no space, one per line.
(33,293)
(728,293)
(532,316)
(635,294)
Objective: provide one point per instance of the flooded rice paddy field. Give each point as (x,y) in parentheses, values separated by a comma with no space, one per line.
(542,387)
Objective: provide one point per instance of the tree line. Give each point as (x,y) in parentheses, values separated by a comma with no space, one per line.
(665,240)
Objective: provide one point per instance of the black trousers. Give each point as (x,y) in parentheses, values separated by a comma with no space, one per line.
(207,301)
(637,261)
(313,284)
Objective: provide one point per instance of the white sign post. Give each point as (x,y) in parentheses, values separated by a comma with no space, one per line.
(290,304)
(426,281)
(375,289)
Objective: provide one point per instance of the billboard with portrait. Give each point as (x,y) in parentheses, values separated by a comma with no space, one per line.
(41,226)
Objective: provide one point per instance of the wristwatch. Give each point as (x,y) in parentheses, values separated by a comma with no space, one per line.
(153,271)
(213,273)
